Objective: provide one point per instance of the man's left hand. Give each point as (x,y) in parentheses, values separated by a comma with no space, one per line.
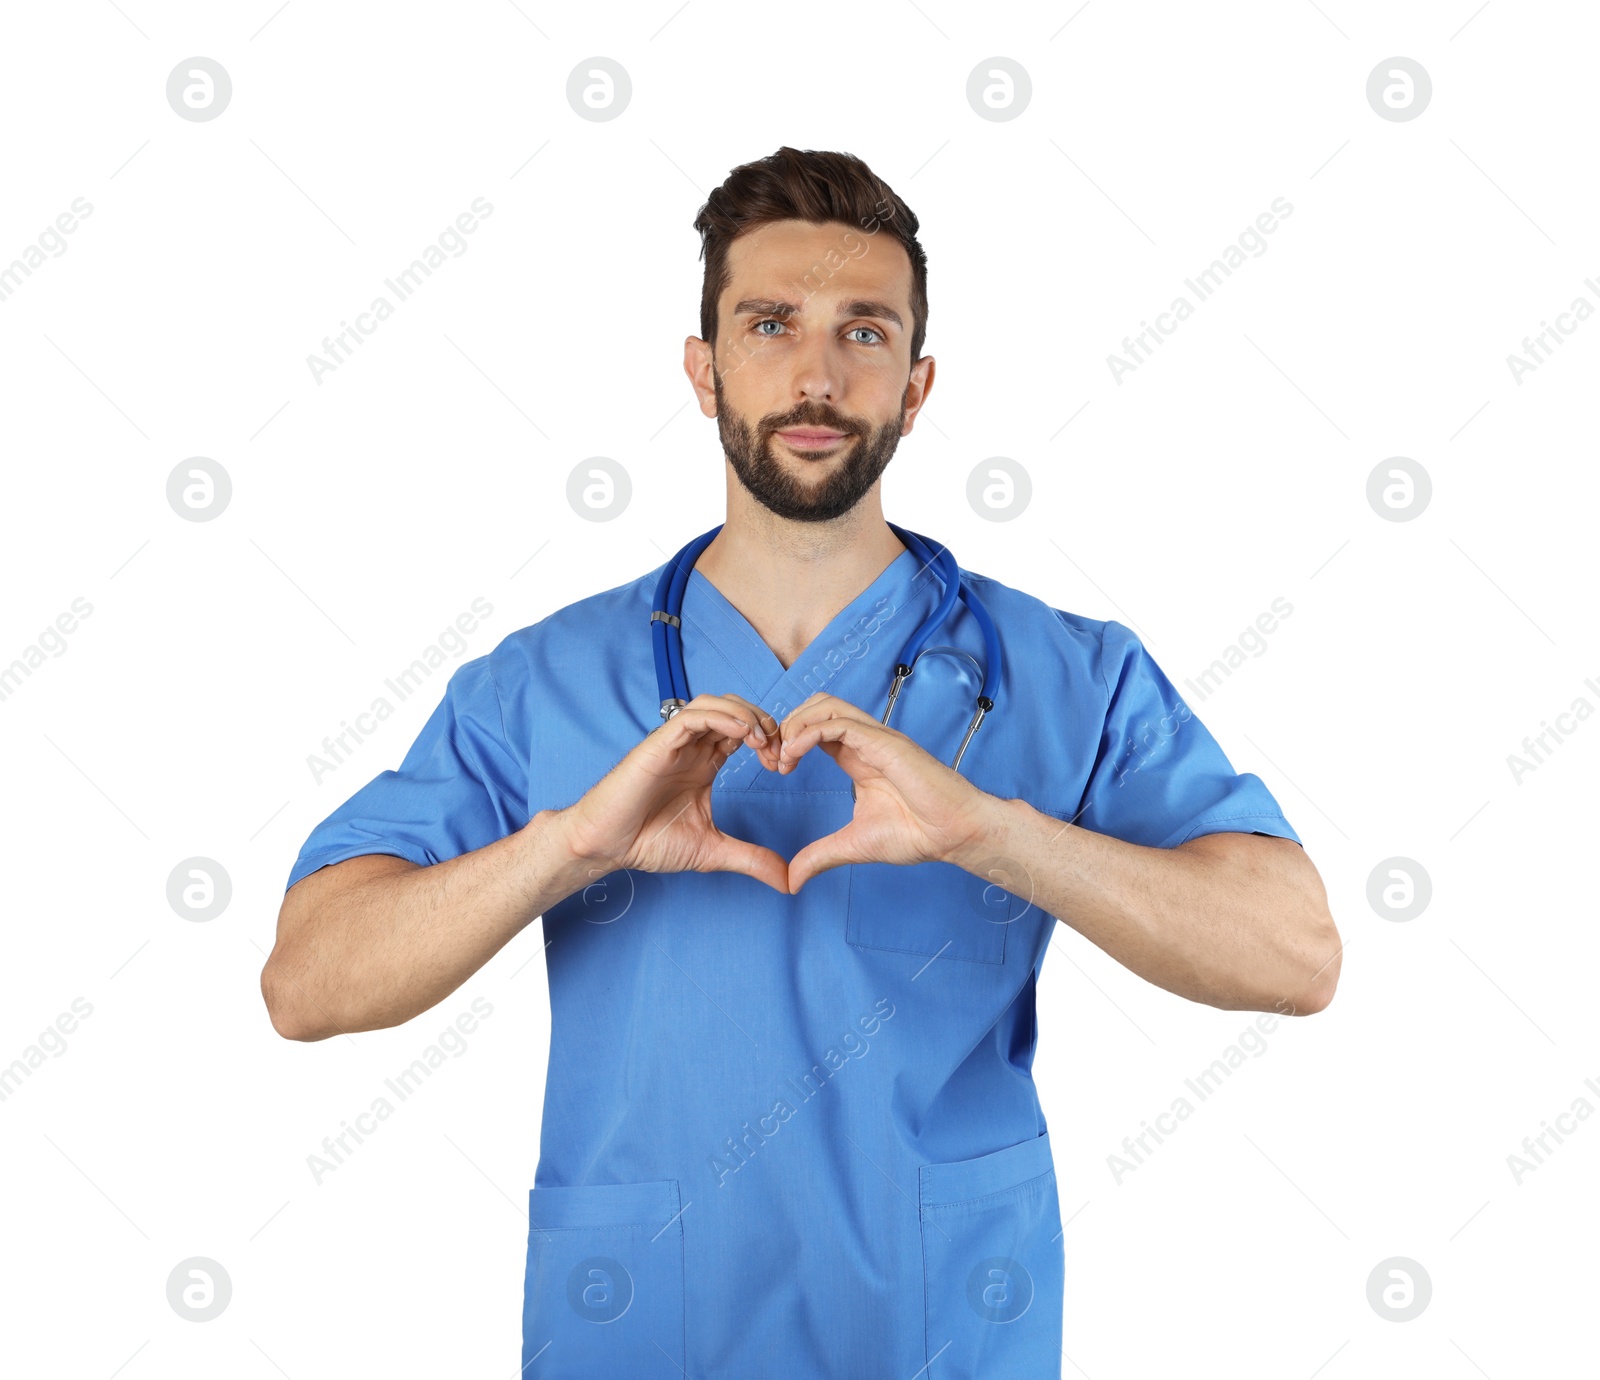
(910,807)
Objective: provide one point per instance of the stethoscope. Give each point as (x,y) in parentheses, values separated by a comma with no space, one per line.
(666,630)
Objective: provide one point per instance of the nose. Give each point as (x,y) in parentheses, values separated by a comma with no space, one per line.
(816,370)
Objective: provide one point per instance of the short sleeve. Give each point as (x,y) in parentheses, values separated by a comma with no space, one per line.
(459,788)
(1159,777)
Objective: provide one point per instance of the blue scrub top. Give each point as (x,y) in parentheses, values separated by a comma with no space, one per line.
(798,1135)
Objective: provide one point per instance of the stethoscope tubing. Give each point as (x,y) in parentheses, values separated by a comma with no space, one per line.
(666,628)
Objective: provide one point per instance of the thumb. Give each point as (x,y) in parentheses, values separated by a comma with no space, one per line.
(821,855)
(735,855)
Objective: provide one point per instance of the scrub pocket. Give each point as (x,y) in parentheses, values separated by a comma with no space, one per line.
(993,1265)
(603,1293)
(930,908)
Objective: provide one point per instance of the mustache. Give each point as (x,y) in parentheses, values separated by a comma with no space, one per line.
(817,417)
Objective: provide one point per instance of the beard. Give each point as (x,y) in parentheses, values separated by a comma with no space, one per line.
(772,483)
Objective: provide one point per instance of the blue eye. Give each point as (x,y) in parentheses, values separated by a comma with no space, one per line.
(774,321)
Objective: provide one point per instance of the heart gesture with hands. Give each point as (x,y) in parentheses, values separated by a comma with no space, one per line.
(652,811)
(910,807)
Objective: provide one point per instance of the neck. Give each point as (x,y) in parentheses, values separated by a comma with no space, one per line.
(791,579)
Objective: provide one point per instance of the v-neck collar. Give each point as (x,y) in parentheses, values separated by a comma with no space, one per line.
(717,629)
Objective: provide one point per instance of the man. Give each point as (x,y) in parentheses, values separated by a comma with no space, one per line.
(790,1125)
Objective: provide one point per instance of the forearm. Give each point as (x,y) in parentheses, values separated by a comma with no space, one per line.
(371,942)
(1237,928)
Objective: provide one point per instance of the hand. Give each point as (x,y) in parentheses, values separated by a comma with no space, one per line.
(910,807)
(652,811)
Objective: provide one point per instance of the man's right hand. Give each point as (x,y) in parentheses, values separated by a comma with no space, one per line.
(652,811)
(370,942)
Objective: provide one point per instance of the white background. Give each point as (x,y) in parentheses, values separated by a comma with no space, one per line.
(369,510)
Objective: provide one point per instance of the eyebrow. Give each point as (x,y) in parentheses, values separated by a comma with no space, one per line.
(766,306)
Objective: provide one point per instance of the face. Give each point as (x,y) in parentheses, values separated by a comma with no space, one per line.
(812,383)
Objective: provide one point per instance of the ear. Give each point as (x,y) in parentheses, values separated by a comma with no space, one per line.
(918,386)
(699,360)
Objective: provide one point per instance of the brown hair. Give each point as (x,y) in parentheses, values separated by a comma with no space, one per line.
(810,185)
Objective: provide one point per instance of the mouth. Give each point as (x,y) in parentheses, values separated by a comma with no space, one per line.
(812,437)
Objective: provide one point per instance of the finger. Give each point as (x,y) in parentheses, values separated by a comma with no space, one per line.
(762,737)
(761,723)
(861,735)
(818,709)
(696,741)
(690,725)
(768,724)
(735,855)
(821,706)
(729,718)
(765,744)
(822,855)
(810,703)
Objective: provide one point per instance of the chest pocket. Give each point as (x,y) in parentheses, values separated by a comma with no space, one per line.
(931,908)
